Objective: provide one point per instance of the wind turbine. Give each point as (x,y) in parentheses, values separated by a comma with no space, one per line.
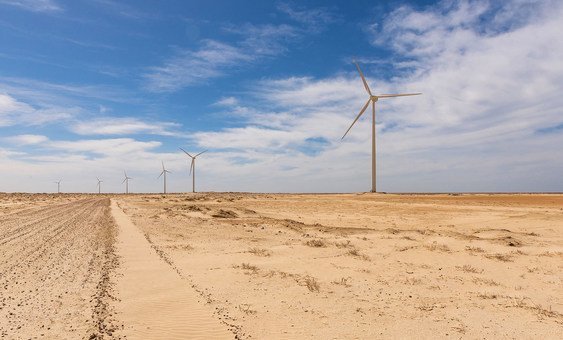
(99,185)
(192,166)
(126,181)
(373,99)
(164,172)
(58,185)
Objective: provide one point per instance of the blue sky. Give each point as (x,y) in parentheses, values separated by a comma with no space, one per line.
(92,88)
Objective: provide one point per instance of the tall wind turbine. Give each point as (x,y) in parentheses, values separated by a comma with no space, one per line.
(164,172)
(99,185)
(58,185)
(373,99)
(126,181)
(192,166)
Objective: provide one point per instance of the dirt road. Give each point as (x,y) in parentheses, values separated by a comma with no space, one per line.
(55,265)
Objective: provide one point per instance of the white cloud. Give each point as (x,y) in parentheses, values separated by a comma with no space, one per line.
(192,67)
(122,126)
(27,139)
(14,112)
(227,101)
(314,19)
(34,5)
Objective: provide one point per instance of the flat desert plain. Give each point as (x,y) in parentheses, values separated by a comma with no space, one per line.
(281,266)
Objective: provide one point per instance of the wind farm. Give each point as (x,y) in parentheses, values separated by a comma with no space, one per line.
(249,187)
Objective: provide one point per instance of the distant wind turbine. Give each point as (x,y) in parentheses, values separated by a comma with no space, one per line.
(372,99)
(58,185)
(126,181)
(164,172)
(99,185)
(192,166)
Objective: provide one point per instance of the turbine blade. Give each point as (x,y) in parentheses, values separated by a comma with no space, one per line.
(363,78)
(160,175)
(186,152)
(191,166)
(397,95)
(162,165)
(200,153)
(357,117)
(124,180)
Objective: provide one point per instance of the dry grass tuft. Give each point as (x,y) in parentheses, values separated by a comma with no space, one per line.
(225,214)
(487,282)
(250,268)
(346,244)
(469,269)
(245,308)
(438,247)
(474,249)
(405,248)
(343,282)
(551,253)
(356,253)
(260,252)
(488,296)
(500,257)
(317,243)
(408,238)
(310,282)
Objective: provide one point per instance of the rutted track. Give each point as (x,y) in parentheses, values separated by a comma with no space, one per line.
(56,265)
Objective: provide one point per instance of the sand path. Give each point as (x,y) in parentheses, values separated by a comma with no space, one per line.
(156,303)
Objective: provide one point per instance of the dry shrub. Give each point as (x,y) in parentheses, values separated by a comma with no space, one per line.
(487,282)
(500,257)
(405,248)
(260,252)
(551,253)
(488,296)
(346,244)
(438,247)
(317,243)
(245,308)
(225,214)
(356,253)
(343,282)
(249,267)
(532,270)
(469,269)
(311,283)
(474,249)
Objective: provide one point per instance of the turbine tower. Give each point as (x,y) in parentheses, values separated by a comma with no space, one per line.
(373,99)
(99,185)
(58,185)
(126,181)
(192,166)
(164,172)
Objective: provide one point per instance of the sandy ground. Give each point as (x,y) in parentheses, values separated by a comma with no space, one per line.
(281,266)
(56,257)
(367,266)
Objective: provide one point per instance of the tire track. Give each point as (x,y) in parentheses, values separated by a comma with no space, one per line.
(56,271)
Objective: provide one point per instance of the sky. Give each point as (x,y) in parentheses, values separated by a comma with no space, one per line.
(93,88)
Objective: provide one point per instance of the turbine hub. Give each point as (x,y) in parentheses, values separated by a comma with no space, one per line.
(374,98)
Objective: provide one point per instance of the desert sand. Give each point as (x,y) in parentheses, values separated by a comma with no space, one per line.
(279,266)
